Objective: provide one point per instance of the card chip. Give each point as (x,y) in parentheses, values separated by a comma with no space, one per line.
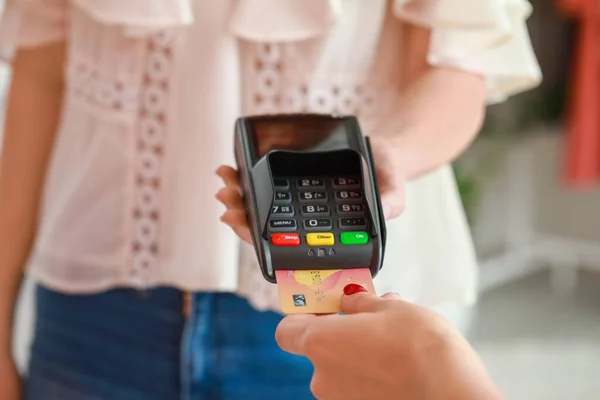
(299,300)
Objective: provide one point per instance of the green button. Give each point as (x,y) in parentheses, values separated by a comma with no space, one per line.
(354,237)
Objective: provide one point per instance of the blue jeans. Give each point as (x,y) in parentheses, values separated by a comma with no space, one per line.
(126,344)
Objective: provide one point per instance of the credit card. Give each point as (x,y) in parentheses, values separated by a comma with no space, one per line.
(318,292)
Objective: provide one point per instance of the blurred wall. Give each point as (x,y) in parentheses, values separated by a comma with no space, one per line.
(554,209)
(562,211)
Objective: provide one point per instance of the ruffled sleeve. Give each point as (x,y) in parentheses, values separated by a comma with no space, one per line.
(29,23)
(488,37)
(139,17)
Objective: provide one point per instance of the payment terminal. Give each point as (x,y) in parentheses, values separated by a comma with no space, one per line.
(310,192)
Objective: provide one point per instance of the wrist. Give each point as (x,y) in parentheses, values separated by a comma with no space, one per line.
(462,375)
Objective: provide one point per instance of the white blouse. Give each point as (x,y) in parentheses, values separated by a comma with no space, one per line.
(153,88)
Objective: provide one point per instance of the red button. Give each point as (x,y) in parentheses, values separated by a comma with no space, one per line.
(285,239)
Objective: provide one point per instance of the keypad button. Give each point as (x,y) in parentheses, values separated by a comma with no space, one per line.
(351,238)
(283,197)
(348,195)
(320,239)
(283,224)
(281,183)
(353,223)
(317,224)
(282,211)
(285,239)
(350,209)
(315,211)
(346,183)
(317,197)
(310,183)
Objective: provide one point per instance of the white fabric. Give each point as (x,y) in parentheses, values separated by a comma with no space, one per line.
(480,36)
(154,87)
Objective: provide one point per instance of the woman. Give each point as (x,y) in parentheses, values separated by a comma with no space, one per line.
(120,111)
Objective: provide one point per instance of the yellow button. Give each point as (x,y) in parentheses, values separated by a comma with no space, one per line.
(320,239)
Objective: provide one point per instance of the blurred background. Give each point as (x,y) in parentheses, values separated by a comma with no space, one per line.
(537,234)
(537,323)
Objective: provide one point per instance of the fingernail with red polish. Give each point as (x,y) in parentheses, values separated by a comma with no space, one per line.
(353,288)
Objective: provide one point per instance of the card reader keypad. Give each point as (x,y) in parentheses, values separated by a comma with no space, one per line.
(316,208)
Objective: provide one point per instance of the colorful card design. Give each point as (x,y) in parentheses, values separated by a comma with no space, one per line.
(318,292)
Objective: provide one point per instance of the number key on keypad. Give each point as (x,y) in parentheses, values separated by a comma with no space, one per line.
(350,209)
(348,195)
(353,223)
(309,183)
(283,211)
(346,183)
(317,224)
(283,197)
(315,211)
(318,197)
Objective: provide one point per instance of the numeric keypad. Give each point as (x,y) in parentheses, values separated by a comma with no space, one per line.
(318,206)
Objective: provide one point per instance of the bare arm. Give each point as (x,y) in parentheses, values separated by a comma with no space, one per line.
(439,112)
(32,119)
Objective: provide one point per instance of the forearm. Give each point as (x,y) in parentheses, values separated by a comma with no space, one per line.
(435,118)
(31,122)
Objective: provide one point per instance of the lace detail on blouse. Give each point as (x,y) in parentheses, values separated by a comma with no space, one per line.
(86,85)
(149,155)
(274,95)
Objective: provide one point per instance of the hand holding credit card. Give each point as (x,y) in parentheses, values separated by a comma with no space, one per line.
(318,291)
